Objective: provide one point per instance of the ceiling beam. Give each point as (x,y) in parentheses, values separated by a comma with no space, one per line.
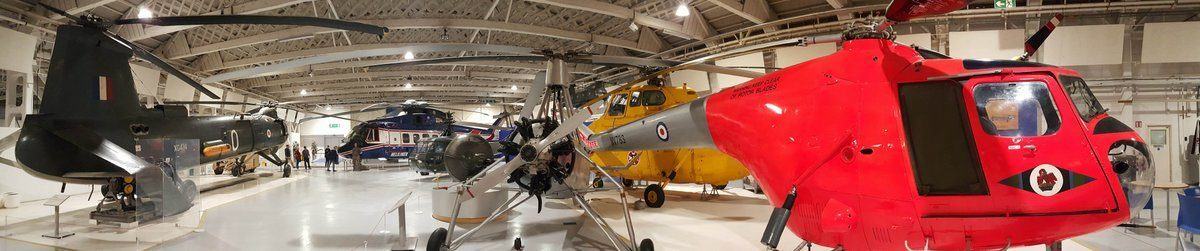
(383,74)
(332,54)
(177,50)
(757,11)
(74,7)
(393,97)
(666,26)
(139,32)
(479,91)
(500,85)
(576,69)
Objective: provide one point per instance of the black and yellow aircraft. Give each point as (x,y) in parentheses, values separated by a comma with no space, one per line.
(92,130)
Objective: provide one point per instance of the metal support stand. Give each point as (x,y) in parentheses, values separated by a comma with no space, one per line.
(405,242)
(57,201)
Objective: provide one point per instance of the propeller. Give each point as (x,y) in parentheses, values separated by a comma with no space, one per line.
(142,53)
(1035,41)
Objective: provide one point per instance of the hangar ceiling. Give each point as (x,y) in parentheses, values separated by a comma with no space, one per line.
(318,66)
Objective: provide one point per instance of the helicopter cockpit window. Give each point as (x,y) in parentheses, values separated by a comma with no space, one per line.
(1082,97)
(617,105)
(1020,109)
(653,98)
(634,101)
(407,139)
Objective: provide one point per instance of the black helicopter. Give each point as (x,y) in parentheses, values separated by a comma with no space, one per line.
(92,130)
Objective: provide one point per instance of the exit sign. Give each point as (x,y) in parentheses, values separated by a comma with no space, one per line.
(335,125)
(1005,4)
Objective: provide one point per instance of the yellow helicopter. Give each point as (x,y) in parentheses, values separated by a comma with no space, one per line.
(701,166)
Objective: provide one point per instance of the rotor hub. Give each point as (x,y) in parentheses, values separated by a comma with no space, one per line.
(868,29)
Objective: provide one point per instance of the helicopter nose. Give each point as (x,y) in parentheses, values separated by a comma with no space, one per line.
(1133,167)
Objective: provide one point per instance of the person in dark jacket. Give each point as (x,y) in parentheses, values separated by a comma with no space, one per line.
(331,159)
(305,154)
(296,156)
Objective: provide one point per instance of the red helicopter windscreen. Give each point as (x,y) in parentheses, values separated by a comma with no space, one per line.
(904,10)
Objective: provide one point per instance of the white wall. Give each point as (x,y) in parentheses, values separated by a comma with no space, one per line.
(750,60)
(1085,45)
(989,44)
(475,117)
(16,51)
(145,79)
(1172,42)
(178,90)
(696,80)
(325,126)
(922,40)
(13,179)
(792,55)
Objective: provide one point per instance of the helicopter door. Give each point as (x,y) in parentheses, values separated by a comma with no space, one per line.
(1034,152)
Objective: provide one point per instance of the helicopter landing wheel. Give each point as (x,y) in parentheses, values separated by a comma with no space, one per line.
(654,196)
(517,244)
(627,182)
(720,187)
(437,240)
(424,173)
(237,169)
(646,245)
(598,183)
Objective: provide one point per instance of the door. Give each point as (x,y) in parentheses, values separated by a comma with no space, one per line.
(1160,150)
(1033,147)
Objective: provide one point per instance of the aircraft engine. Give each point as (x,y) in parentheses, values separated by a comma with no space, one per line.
(467,155)
(1131,163)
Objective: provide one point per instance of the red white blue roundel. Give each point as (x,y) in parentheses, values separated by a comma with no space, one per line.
(661,130)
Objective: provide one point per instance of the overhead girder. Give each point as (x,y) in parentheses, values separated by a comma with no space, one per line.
(332,54)
(181,50)
(400,96)
(506,85)
(139,32)
(666,26)
(576,69)
(482,91)
(757,11)
(384,74)
(74,7)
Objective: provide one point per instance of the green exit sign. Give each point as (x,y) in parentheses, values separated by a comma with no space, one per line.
(335,125)
(1005,4)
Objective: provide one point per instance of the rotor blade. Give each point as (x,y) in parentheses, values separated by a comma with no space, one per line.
(904,10)
(462,59)
(60,12)
(625,61)
(491,177)
(373,105)
(480,125)
(207,103)
(256,19)
(162,65)
(88,140)
(569,125)
(457,109)
(1035,41)
(337,115)
(535,95)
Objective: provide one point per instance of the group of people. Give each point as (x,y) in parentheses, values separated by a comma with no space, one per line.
(302,156)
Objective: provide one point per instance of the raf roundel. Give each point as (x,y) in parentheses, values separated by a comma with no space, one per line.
(661,130)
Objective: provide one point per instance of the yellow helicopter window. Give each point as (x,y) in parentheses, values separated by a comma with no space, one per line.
(617,106)
(653,98)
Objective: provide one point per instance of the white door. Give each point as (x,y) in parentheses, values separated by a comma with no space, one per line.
(1161,149)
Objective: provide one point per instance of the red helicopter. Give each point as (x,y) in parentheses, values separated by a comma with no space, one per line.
(883,146)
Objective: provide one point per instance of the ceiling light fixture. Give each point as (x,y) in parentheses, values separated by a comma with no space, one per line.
(329,107)
(487,104)
(633,26)
(514,87)
(144,12)
(303,92)
(408,55)
(682,10)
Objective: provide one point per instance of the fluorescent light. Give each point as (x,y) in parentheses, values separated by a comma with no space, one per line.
(408,55)
(514,87)
(303,92)
(407,85)
(328,108)
(144,12)
(633,26)
(487,104)
(682,10)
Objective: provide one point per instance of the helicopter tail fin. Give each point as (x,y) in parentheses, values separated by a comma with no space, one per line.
(89,77)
